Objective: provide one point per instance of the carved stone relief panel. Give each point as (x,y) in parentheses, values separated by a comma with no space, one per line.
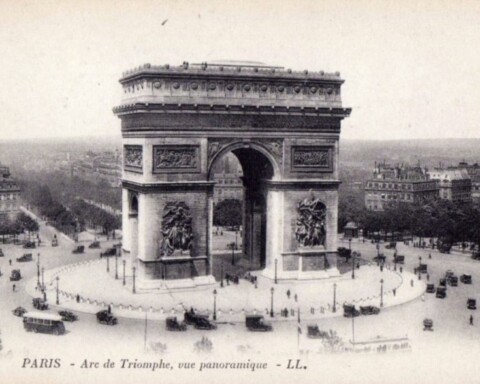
(176,158)
(312,158)
(311,223)
(176,229)
(133,158)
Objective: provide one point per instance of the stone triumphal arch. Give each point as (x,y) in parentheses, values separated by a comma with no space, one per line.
(284,128)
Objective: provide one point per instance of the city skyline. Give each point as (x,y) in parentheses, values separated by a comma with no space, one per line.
(399,62)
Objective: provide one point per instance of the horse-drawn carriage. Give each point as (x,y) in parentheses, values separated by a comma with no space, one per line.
(428,325)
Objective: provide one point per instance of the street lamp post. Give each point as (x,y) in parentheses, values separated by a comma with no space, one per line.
(38,269)
(214,304)
(276,262)
(419,267)
(58,301)
(334,297)
(381,293)
(232,246)
(43,278)
(353,265)
(271,302)
(116,266)
(349,243)
(108,263)
(133,288)
(124,262)
(221,274)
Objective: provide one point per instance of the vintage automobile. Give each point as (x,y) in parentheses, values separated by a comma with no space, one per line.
(471,304)
(369,310)
(173,324)
(391,245)
(428,325)
(79,249)
(198,321)
(103,317)
(449,273)
(350,311)
(1,253)
(344,252)
(399,259)
(26,257)
(422,267)
(68,316)
(95,244)
(443,283)
(380,258)
(466,279)
(255,323)
(19,311)
(430,288)
(444,247)
(453,281)
(313,332)
(441,293)
(40,304)
(29,244)
(109,252)
(55,241)
(15,275)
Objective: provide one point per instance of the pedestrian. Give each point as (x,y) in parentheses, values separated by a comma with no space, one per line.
(14,287)
(428,277)
(296,297)
(109,309)
(411,282)
(288,293)
(471,319)
(78,298)
(10,261)
(394,291)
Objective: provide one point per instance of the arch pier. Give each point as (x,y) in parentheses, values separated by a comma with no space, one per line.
(284,128)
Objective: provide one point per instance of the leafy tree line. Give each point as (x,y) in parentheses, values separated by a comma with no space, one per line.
(21,224)
(228,213)
(450,222)
(93,217)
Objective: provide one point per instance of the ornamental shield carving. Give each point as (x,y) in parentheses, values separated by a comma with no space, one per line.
(176,229)
(310,228)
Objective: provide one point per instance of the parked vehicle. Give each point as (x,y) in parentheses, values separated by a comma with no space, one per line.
(95,244)
(444,247)
(430,288)
(313,332)
(380,258)
(441,293)
(29,244)
(472,304)
(173,324)
(449,273)
(453,281)
(43,322)
(422,267)
(15,275)
(68,316)
(350,311)
(79,249)
(19,311)
(40,304)
(198,321)
(344,252)
(391,245)
(255,323)
(399,259)
(466,279)
(443,283)
(428,325)
(369,310)
(103,317)
(25,258)
(109,252)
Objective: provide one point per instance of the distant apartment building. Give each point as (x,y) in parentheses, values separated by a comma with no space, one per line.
(227,176)
(473,171)
(9,195)
(106,166)
(398,183)
(453,184)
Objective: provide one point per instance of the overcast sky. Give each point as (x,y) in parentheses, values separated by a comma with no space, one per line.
(411,67)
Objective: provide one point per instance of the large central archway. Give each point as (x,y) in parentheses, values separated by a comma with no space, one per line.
(283,127)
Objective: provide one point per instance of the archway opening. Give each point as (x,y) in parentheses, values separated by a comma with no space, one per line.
(239,211)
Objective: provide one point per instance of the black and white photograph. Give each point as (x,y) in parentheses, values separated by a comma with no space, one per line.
(239,192)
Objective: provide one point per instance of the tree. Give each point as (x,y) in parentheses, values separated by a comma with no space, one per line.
(228,213)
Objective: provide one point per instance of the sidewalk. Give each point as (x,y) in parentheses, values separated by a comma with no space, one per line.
(98,289)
